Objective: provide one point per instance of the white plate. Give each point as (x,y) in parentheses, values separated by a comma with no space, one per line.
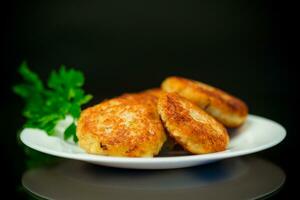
(256,134)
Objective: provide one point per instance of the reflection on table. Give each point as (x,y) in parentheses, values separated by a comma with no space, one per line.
(237,178)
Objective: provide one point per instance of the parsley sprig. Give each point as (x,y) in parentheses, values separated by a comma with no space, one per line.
(45,106)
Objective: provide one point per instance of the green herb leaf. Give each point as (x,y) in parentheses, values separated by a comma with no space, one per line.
(70,131)
(85,99)
(44,107)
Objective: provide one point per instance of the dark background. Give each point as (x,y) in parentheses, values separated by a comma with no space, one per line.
(127,46)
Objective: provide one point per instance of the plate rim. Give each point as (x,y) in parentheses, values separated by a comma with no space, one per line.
(207,157)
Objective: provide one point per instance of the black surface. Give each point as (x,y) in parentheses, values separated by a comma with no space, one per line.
(249,177)
(126,46)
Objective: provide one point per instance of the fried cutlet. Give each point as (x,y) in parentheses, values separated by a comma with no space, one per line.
(190,126)
(227,109)
(127,126)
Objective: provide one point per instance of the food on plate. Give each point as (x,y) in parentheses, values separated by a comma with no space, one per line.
(170,143)
(128,125)
(227,109)
(182,113)
(190,126)
(154,91)
(47,104)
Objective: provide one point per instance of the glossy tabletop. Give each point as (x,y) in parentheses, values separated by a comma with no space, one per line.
(237,178)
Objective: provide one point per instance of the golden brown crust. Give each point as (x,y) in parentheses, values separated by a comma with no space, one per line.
(191,127)
(227,109)
(128,125)
(154,92)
